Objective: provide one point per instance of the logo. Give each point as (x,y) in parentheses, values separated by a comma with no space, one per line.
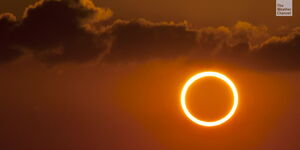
(284,7)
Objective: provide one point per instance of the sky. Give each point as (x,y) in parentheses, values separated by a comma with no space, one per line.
(200,13)
(83,74)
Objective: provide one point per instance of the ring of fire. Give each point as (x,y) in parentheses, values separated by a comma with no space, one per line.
(202,75)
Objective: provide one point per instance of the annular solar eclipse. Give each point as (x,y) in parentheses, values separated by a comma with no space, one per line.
(202,75)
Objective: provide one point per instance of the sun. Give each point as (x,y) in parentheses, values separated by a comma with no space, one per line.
(203,75)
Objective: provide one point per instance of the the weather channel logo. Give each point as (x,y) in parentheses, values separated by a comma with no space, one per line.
(284,7)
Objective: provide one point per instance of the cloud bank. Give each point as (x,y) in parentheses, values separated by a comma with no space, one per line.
(77,31)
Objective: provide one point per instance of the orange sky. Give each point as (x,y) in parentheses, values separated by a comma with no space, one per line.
(137,106)
(264,99)
(68,85)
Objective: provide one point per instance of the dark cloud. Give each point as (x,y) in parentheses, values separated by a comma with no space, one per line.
(257,49)
(7,27)
(249,46)
(78,31)
(278,53)
(243,45)
(56,31)
(142,40)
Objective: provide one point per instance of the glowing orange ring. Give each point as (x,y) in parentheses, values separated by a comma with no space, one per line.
(209,74)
